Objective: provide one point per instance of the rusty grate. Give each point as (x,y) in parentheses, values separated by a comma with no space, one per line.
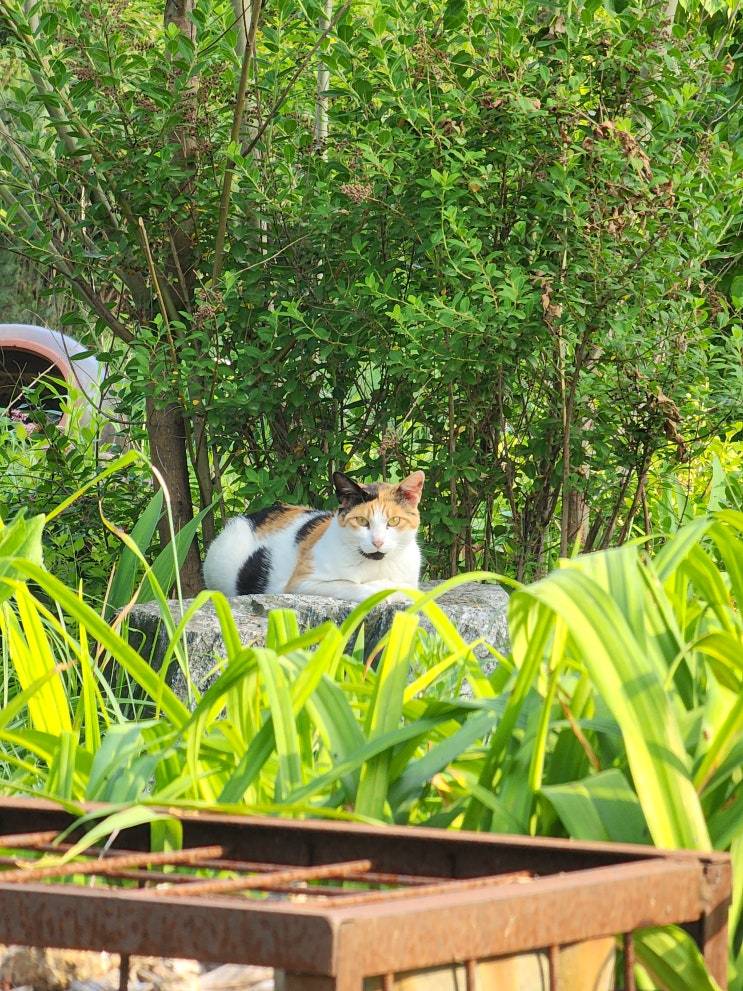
(209,871)
(347,907)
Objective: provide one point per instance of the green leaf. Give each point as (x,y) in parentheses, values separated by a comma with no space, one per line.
(601,807)
(282,713)
(130,458)
(102,633)
(109,823)
(65,780)
(123,584)
(338,728)
(282,628)
(21,538)
(32,658)
(362,756)
(385,713)
(166,834)
(263,744)
(531,632)
(440,756)
(627,677)
(169,561)
(116,773)
(673,959)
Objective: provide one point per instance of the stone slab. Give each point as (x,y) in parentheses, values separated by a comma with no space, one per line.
(477,610)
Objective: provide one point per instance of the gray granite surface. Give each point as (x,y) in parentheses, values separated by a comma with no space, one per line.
(477,610)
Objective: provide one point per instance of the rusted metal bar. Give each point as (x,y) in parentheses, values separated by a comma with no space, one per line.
(434,852)
(22,840)
(443,887)
(471,975)
(521,918)
(256,882)
(629,961)
(365,877)
(329,894)
(370,877)
(121,864)
(718,879)
(124,972)
(553,964)
(101,865)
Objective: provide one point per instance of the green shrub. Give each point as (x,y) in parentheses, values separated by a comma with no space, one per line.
(495,271)
(43,465)
(500,266)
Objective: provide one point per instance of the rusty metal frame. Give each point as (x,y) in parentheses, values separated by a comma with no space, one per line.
(456,898)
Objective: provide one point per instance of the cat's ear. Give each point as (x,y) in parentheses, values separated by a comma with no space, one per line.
(410,488)
(349,492)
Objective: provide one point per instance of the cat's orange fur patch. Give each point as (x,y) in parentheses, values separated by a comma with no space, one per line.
(304,561)
(278,520)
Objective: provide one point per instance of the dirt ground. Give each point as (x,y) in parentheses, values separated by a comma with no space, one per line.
(32,969)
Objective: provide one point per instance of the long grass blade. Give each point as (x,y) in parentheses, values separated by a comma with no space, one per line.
(32,658)
(66,780)
(440,756)
(280,704)
(385,713)
(115,466)
(21,538)
(166,566)
(122,586)
(602,807)
(531,632)
(102,633)
(630,687)
(324,658)
(673,959)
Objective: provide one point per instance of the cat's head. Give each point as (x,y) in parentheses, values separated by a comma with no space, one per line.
(383,519)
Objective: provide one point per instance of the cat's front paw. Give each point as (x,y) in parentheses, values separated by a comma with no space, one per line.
(397,597)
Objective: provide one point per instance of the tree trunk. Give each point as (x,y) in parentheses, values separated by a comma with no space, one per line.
(323,81)
(242,10)
(167,435)
(168,428)
(574,518)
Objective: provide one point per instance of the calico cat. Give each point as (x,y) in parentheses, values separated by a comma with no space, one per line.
(367,545)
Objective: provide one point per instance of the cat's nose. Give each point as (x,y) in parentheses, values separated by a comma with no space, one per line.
(377,541)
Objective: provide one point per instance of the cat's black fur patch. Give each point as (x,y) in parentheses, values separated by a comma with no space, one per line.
(259,516)
(351,494)
(371,491)
(309,526)
(252,579)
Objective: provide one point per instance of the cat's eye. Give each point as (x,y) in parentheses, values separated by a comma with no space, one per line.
(362,521)
(393,521)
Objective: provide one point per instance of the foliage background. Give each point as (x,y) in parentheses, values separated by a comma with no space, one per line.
(497,243)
